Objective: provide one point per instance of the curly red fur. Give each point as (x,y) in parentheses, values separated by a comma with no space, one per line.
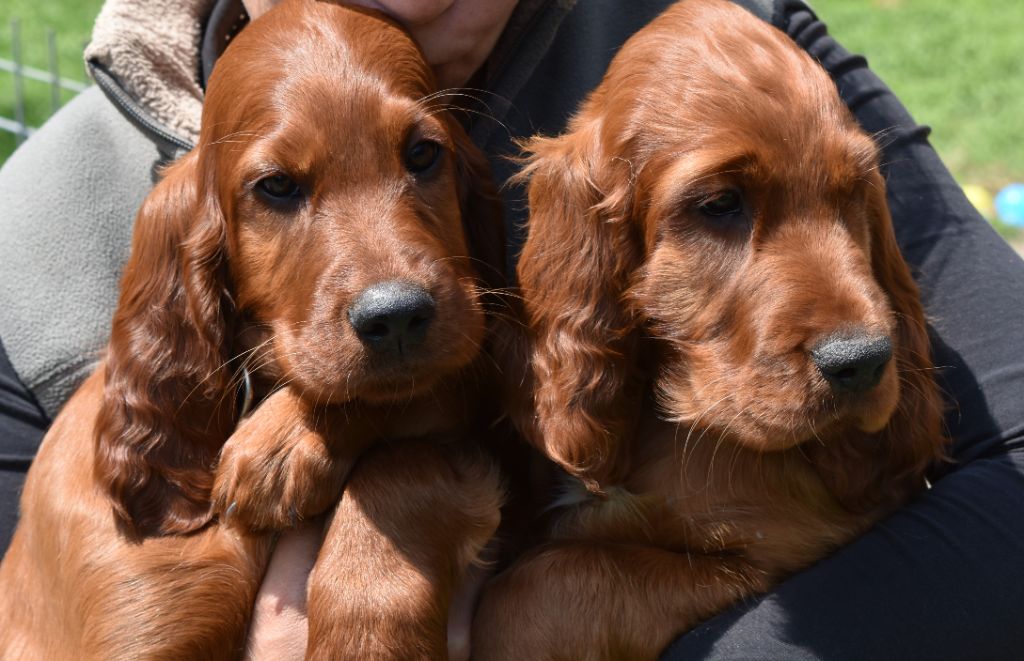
(165,415)
(583,349)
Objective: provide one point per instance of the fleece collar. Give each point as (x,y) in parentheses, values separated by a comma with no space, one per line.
(150,48)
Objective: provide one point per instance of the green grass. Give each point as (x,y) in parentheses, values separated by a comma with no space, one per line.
(72,20)
(958,66)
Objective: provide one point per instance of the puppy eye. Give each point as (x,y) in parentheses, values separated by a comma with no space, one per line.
(278,188)
(726,203)
(421,156)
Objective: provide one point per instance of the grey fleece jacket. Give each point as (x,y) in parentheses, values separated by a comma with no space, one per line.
(68,196)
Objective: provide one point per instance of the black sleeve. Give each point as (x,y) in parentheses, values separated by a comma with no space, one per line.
(22,425)
(943,578)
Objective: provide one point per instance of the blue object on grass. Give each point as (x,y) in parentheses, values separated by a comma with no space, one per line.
(1010,205)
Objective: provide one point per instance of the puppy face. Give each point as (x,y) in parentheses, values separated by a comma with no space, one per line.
(713,228)
(712,193)
(756,198)
(339,186)
(758,278)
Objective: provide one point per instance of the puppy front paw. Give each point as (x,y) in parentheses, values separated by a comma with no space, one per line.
(276,469)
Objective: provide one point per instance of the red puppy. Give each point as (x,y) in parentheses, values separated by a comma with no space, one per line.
(334,233)
(724,341)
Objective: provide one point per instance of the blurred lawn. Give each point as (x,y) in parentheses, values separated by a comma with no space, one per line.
(72,20)
(958,66)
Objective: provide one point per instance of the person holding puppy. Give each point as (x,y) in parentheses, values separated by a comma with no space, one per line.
(934,581)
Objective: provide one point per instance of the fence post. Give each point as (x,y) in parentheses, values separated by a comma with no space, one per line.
(19,91)
(18,125)
(51,43)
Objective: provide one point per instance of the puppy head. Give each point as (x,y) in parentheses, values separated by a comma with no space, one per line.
(719,198)
(347,237)
(334,218)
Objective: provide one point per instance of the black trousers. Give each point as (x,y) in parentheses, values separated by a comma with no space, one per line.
(22,425)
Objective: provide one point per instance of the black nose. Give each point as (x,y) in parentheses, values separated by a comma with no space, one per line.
(393,315)
(852,364)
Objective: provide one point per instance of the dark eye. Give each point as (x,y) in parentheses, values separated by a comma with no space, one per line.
(725,203)
(278,188)
(421,156)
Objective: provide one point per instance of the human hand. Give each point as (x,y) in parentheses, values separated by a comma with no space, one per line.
(279,628)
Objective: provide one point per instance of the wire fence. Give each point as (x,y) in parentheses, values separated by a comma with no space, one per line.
(22,74)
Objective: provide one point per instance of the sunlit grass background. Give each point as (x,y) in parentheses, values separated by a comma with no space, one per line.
(957,65)
(72,20)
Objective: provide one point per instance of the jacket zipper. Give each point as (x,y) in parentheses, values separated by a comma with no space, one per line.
(167,141)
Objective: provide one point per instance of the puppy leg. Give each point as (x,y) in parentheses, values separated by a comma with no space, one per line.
(413,518)
(603,601)
(286,462)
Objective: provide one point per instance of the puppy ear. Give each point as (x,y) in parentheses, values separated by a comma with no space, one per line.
(165,410)
(885,469)
(481,210)
(576,266)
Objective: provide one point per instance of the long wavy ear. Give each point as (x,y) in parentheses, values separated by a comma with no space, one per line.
(576,266)
(165,414)
(884,470)
(481,209)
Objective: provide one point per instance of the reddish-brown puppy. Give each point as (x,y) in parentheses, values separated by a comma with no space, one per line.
(336,231)
(724,341)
